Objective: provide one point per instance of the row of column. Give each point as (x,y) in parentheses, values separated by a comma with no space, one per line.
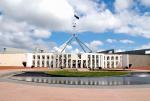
(91,61)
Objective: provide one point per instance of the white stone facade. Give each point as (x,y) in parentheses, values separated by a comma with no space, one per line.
(70,60)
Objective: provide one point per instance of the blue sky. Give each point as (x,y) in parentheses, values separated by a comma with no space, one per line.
(104,24)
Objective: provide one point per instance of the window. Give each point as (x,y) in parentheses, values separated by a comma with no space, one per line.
(42,63)
(107,57)
(47,57)
(79,56)
(65,56)
(116,57)
(33,56)
(51,57)
(38,56)
(112,58)
(108,64)
(74,63)
(47,63)
(89,58)
(117,63)
(38,63)
(43,57)
(93,56)
(112,65)
(33,63)
(69,55)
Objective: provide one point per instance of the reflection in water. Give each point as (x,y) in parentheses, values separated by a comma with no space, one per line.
(102,81)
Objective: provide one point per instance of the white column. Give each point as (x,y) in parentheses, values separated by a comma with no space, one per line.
(35,60)
(58,61)
(49,61)
(91,61)
(95,61)
(87,61)
(114,61)
(45,61)
(40,60)
(102,61)
(99,60)
(76,63)
(67,60)
(81,63)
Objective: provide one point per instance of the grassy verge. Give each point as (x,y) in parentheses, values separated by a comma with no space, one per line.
(65,73)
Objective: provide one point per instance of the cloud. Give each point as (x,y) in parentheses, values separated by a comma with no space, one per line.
(121,5)
(41,33)
(145,2)
(19,35)
(111,40)
(145,46)
(126,41)
(76,51)
(98,22)
(52,14)
(74,43)
(119,50)
(57,15)
(94,45)
(134,24)
(26,23)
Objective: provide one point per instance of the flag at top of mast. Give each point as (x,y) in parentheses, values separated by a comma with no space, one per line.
(77,17)
(74,22)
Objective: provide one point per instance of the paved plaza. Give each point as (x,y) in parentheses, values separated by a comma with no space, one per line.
(11,91)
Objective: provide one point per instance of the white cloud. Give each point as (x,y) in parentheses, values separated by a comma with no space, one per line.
(121,5)
(41,33)
(134,24)
(98,22)
(74,43)
(145,2)
(126,41)
(119,50)
(25,22)
(19,35)
(111,40)
(94,45)
(52,14)
(145,46)
(76,51)
(69,47)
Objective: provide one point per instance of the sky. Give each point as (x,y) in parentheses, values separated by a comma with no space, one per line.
(47,24)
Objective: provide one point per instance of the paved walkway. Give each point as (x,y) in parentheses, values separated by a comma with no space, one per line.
(20,92)
(10,91)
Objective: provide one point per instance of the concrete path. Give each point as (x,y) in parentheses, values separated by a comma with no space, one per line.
(10,91)
(20,92)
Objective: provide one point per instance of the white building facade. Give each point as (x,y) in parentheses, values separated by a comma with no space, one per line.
(72,60)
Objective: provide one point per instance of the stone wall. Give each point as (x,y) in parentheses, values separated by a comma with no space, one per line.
(139,60)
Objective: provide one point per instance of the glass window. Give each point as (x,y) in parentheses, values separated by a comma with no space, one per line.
(38,56)
(107,57)
(47,57)
(38,63)
(43,57)
(42,63)
(116,57)
(33,56)
(112,58)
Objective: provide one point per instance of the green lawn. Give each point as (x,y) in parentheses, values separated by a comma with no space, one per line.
(65,73)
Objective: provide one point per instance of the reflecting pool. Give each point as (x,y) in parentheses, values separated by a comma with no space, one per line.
(130,79)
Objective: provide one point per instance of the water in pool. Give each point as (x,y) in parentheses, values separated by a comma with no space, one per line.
(131,79)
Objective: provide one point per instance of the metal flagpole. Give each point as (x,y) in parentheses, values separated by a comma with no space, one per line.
(82,45)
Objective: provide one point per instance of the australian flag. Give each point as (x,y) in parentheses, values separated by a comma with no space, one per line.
(76,17)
